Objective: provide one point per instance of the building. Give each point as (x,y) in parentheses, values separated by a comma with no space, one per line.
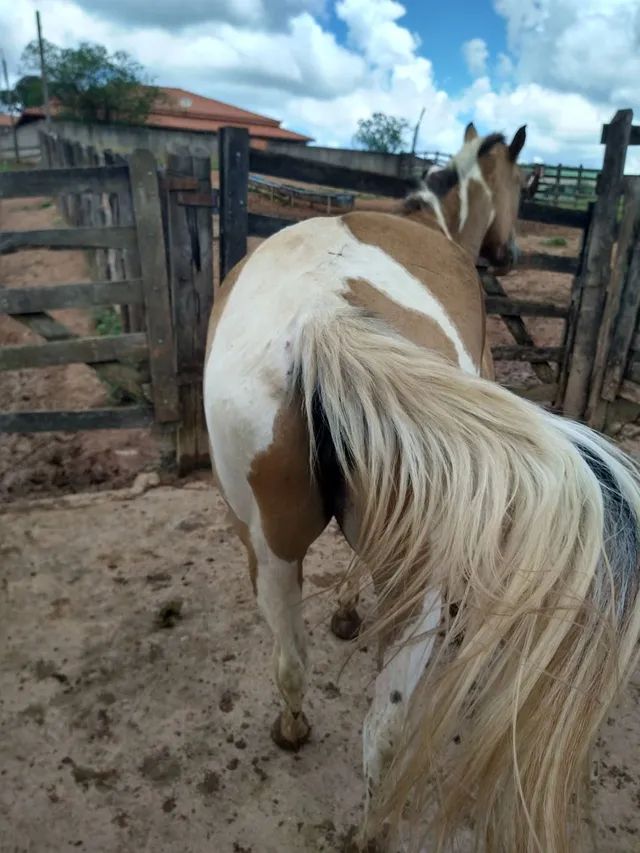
(178,119)
(177,109)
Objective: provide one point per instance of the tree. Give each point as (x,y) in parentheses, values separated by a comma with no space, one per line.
(27,92)
(381,133)
(91,84)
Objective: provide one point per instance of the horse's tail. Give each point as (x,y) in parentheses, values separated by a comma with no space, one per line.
(527,525)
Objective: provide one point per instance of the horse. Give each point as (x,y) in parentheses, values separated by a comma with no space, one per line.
(348,376)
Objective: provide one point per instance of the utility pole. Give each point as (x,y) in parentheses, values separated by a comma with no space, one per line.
(416,130)
(43,74)
(11,113)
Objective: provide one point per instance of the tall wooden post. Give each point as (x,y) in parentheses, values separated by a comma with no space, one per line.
(233,159)
(595,275)
(145,195)
(189,225)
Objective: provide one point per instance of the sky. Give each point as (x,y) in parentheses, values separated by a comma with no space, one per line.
(562,67)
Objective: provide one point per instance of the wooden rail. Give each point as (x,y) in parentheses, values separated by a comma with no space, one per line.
(29,300)
(125,417)
(51,182)
(75,351)
(113,237)
(531,354)
(338,177)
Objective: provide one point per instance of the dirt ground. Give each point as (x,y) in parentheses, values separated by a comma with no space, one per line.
(135,687)
(121,736)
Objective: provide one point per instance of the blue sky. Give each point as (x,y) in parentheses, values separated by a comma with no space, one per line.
(443,27)
(561,66)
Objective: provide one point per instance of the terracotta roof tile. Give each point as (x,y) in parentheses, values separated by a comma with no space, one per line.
(177,109)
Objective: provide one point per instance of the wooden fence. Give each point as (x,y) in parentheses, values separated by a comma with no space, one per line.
(559,185)
(237,160)
(150,233)
(594,374)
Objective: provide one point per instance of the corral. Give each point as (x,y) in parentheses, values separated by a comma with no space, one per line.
(135,699)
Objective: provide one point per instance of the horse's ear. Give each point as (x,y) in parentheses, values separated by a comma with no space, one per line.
(470,132)
(517,143)
(441,181)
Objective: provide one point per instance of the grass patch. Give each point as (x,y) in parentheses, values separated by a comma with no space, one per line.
(46,204)
(554,241)
(108,321)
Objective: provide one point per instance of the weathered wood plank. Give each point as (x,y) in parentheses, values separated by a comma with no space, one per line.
(547,262)
(620,312)
(597,266)
(29,300)
(507,307)
(45,326)
(570,326)
(68,238)
(516,326)
(152,254)
(340,177)
(531,211)
(265,226)
(190,232)
(630,390)
(79,350)
(127,417)
(535,355)
(233,157)
(536,393)
(634,135)
(624,336)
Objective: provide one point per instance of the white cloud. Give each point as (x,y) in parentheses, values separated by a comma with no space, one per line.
(374,31)
(504,66)
(263,14)
(589,47)
(476,54)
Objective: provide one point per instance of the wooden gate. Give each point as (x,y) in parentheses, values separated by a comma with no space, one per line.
(142,361)
(151,236)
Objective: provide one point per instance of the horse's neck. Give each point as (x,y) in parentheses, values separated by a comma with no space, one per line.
(465,224)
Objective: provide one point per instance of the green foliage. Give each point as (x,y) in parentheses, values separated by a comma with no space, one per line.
(382,133)
(107,321)
(91,84)
(26,93)
(554,241)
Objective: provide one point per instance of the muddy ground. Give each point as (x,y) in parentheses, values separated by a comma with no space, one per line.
(135,688)
(136,697)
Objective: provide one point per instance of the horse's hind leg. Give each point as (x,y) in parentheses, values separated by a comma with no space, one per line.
(279,593)
(346,622)
(403,666)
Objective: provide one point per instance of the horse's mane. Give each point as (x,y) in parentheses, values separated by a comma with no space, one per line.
(436,183)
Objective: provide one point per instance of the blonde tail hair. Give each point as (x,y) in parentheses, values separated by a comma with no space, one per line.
(527,526)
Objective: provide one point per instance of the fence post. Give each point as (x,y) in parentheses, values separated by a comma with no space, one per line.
(233,158)
(145,195)
(189,226)
(45,151)
(595,274)
(621,312)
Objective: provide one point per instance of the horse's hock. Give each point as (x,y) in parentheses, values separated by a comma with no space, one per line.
(150,233)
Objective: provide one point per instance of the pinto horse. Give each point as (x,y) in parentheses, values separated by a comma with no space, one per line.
(349,376)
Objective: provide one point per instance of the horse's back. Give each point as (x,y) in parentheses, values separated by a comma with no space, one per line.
(423,285)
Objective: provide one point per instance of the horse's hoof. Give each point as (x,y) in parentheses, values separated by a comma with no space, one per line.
(345,624)
(289,732)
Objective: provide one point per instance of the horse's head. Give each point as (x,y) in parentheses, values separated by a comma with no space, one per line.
(475,197)
(498,165)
